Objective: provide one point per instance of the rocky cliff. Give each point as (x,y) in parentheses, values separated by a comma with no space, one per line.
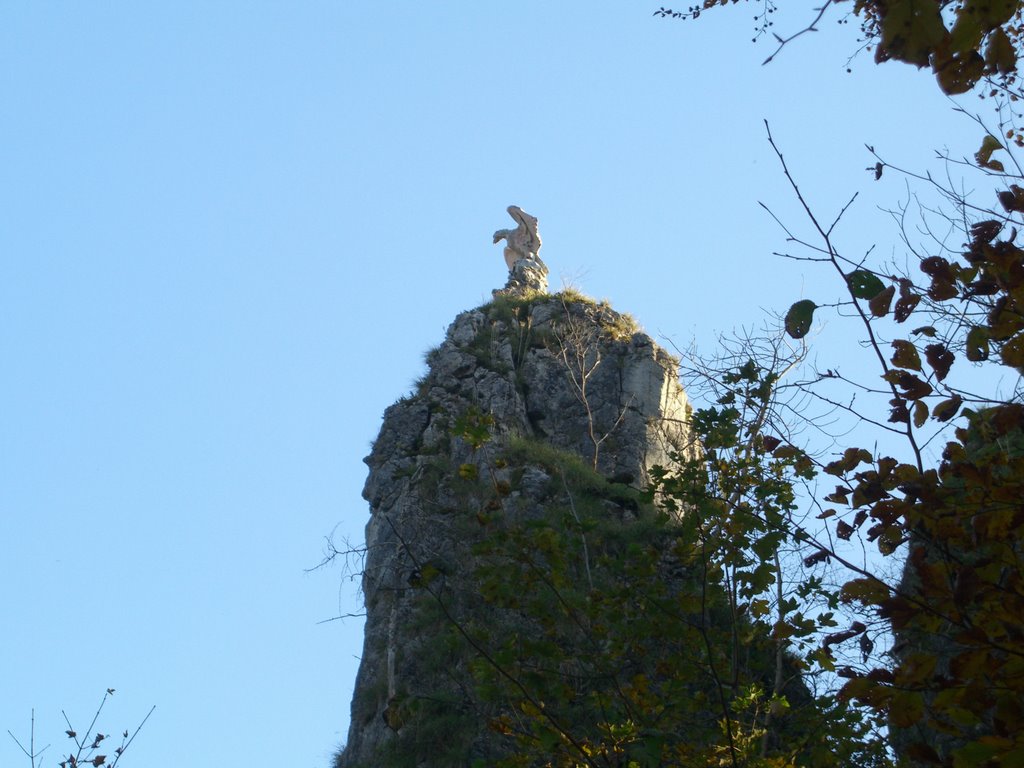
(532,403)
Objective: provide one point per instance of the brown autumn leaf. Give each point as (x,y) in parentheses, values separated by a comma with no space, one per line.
(881,303)
(817,557)
(943,278)
(858,689)
(942,290)
(907,302)
(985,231)
(852,457)
(913,387)
(880,675)
(1000,55)
(834,638)
(983,287)
(958,72)
(838,496)
(868,491)
(940,359)
(899,413)
(1012,199)
(983,156)
(936,266)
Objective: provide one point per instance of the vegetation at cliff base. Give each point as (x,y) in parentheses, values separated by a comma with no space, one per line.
(804,546)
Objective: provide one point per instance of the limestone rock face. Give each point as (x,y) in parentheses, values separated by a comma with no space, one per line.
(554,371)
(526,277)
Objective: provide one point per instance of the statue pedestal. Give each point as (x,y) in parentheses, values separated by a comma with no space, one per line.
(526,276)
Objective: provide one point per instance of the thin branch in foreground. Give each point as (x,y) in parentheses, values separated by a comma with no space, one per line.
(783,42)
(30,753)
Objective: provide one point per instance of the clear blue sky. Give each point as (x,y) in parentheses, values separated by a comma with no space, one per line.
(228,233)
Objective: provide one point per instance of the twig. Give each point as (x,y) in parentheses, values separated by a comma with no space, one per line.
(123,747)
(583,534)
(809,28)
(908,432)
(30,753)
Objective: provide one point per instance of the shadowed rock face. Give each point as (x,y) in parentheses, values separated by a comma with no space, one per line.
(572,375)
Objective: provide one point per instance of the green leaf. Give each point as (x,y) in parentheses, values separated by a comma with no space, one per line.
(920,414)
(474,427)
(905,355)
(947,409)
(911,30)
(923,753)
(864,284)
(799,318)
(1012,352)
(907,708)
(991,13)
(421,577)
(977,344)
(972,755)
(864,590)
(966,33)
(1000,54)
(782,629)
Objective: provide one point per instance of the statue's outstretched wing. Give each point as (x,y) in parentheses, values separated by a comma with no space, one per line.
(527,228)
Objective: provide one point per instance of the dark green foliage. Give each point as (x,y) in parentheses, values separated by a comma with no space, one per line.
(568,469)
(609,639)
(952,690)
(799,318)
